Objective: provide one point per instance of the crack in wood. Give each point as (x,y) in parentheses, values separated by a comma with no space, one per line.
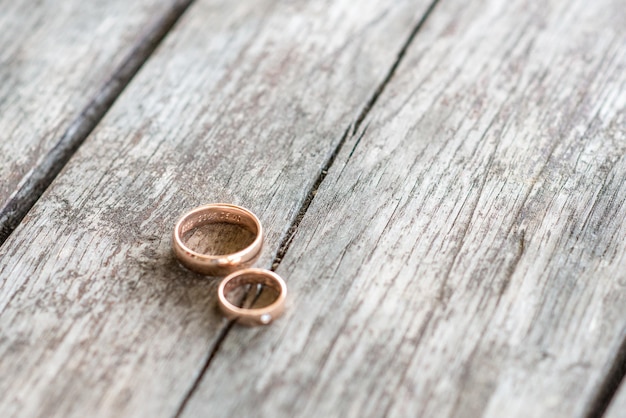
(291,231)
(381,87)
(40,178)
(284,247)
(610,385)
(214,349)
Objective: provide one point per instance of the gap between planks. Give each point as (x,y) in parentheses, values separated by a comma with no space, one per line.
(611,384)
(349,133)
(40,178)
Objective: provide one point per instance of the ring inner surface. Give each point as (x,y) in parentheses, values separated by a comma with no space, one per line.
(252,291)
(218,231)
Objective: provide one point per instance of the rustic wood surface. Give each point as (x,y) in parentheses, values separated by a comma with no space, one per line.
(61,66)
(244,103)
(465,255)
(443,189)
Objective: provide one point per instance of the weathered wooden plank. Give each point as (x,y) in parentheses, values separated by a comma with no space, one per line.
(61,67)
(466,254)
(244,102)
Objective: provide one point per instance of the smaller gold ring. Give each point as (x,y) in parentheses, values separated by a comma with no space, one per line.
(255,316)
(220,264)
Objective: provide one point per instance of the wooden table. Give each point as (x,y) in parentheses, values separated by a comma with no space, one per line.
(442,184)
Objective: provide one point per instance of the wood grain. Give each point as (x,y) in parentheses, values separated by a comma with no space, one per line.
(466,254)
(245,102)
(59,72)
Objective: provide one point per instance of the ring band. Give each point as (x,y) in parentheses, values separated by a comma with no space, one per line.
(222,264)
(256,316)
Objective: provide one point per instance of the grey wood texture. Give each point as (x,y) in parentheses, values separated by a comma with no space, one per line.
(617,408)
(54,59)
(466,254)
(245,102)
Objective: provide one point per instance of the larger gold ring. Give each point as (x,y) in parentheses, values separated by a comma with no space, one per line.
(254,316)
(218,264)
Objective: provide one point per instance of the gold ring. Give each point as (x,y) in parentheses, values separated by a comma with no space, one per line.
(255,316)
(217,264)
